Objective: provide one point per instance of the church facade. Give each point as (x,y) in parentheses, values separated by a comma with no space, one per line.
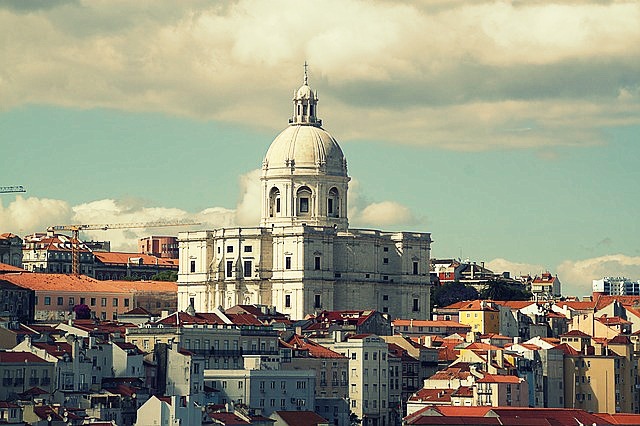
(303,257)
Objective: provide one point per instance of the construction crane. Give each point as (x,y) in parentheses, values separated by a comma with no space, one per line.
(75,233)
(16,188)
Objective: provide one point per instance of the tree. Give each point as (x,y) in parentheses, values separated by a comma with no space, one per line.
(500,289)
(450,293)
(82,311)
(165,276)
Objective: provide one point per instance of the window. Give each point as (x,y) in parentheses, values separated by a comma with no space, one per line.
(47,300)
(82,300)
(71,301)
(304,205)
(93,301)
(193,266)
(248,249)
(247,268)
(229,268)
(353,355)
(287,300)
(385,260)
(330,206)
(316,301)
(103,301)
(229,249)
(366,356)
(317,263)
(416,305)
(287,262)
(415,268)
(115,301)
(385,297)
(278,205)
(126,302)
(60,301)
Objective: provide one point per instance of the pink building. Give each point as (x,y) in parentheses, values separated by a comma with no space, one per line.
(165,247)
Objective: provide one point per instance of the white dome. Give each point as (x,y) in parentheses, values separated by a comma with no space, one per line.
(305,147)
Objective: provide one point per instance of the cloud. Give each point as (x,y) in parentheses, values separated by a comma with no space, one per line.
(459,75)
(384,213)
(250,204)
(26,215)
(577,276)
(500,265)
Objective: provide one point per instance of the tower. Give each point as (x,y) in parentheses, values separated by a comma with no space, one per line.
(304,173)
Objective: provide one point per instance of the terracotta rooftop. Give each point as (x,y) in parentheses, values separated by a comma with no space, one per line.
(479,305)
(301,418)
(428,323)
(60,282)
(122,258)
(494,378)
(432,395)
(575,333)
(9,268)
(314,349)
(20,357)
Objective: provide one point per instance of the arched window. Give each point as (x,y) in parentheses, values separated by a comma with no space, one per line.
(333,203)
(303,197)
(274,202)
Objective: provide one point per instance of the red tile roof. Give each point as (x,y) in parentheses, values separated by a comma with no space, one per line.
(478,305)
(494,378)
(432,395)
(60,282)
(20,357)
(301,418)
(567,349)
(575,333)
(612,320)
(428,323)
(314,349)
(123,258)
(228,419)
(620,418)
(9,268)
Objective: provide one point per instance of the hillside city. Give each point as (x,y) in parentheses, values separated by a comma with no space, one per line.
(303,320)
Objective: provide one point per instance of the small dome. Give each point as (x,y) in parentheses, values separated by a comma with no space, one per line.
(305,92)
(304,147)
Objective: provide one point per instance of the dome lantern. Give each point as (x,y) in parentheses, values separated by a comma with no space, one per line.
(305,104)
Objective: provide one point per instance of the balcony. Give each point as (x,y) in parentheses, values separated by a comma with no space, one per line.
(34,381)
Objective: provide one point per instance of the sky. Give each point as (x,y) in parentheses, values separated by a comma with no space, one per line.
(510,130)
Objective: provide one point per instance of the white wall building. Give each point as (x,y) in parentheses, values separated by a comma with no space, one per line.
(617,286)
(303,257)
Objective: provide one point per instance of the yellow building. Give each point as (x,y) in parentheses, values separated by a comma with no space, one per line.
(481,315)
(600,375)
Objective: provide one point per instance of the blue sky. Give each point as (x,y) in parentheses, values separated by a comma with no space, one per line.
(508,130)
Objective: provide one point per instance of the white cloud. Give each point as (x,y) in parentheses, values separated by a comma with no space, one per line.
(577,276)
(250,204)
(26,215)
(516,269)
(384,213)
(454,73)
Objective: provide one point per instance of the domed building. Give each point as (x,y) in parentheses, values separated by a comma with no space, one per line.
(303,257)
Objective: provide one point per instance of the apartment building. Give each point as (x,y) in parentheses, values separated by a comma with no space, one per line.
(368,377)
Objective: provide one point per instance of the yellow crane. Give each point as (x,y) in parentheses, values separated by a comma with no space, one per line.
(15,188)
(75,233)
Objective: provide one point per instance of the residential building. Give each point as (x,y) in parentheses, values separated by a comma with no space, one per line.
(52,253)
(56,295)
(163,247)
(442,328)
(11,250)
(303,257)
(616,286)
(354,321)
(169,410)
(331,369)
(501,391)
(368,377)
(16,303)
(263,386)
(482,316)
(546,287)
(21,371)
(600,375)
(121,265)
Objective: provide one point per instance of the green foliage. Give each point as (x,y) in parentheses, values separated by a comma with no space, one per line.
(165,276)
(500,289)
(450,293)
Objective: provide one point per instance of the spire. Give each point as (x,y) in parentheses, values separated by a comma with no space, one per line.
(305,102)
(306,77)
